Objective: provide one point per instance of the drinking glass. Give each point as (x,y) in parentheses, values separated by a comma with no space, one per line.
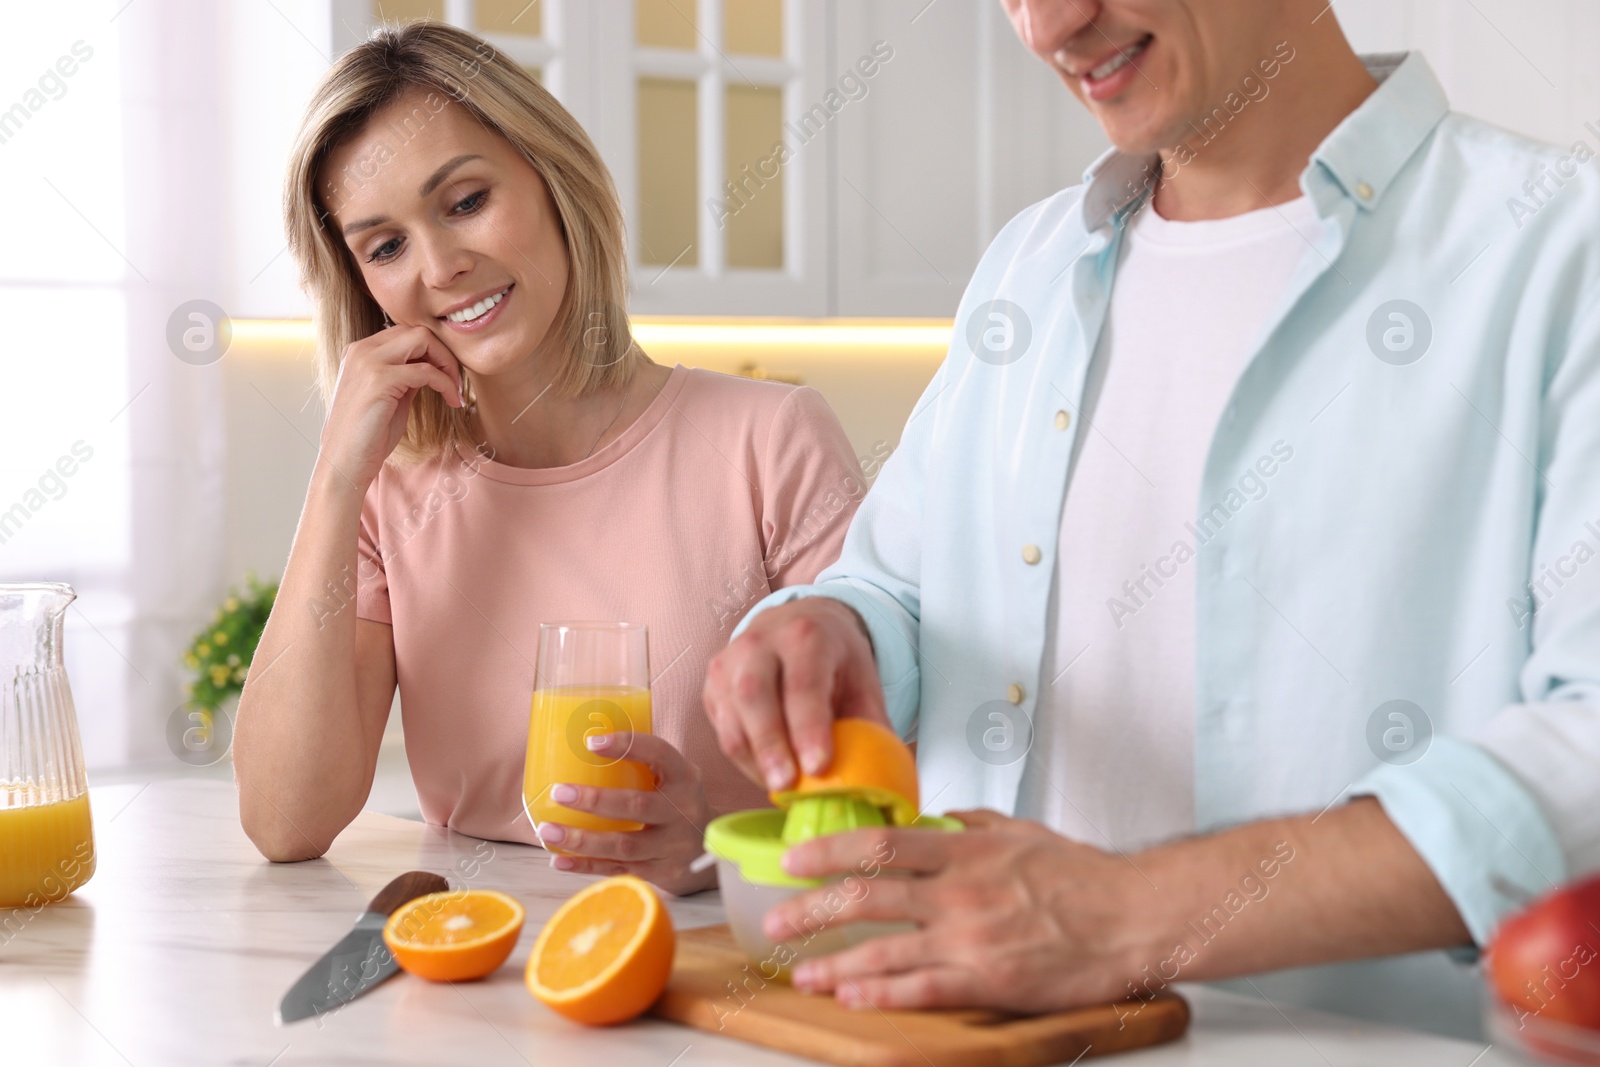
(591,678)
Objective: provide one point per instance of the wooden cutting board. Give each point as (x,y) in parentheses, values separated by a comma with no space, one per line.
(714,987)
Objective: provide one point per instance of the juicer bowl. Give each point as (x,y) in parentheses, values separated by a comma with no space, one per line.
(748,846)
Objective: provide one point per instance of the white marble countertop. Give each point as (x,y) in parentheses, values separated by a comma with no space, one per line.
(179,948)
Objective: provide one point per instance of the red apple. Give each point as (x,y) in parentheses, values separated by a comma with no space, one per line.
(1545,960)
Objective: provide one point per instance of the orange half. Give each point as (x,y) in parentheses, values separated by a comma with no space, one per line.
(870,763)
(454,936)
(605,955)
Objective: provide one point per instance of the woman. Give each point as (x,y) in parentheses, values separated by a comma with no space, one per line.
(498,452)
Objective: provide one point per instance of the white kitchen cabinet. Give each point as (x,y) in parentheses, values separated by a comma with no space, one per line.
(963,128)
(794,157)
(727,207)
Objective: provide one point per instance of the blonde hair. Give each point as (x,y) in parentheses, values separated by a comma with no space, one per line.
(591,323)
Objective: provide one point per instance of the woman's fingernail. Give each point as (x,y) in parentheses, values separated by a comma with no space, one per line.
(849,996)
(552,833)
(596,742)
(804,975)
(812,760)
(562,863)
(564,794)
(774,927)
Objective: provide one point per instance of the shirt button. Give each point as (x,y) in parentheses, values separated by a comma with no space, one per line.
(1030,554)
(1014,693)
(1063,420)
(1363,190)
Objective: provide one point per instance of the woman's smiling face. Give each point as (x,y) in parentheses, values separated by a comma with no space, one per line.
(440,213)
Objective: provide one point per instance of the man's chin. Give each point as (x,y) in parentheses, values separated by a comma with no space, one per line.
(1141,133)
(1142,144)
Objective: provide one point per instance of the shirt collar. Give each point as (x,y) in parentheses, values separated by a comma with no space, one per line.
(1361,157)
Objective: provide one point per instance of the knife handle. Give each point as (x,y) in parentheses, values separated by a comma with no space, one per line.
(407,887)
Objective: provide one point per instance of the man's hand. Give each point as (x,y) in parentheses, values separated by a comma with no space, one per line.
(1011,916)
(777,687)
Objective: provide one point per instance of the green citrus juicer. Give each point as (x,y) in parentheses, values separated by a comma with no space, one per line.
(749,847)
(829,813)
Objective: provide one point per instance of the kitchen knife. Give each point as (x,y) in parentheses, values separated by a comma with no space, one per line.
(360,960)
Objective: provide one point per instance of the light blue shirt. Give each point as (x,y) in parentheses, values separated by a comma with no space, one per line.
(1434,540)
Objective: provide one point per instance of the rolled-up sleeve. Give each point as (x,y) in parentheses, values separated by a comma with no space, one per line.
(1475,824)
(1515,809)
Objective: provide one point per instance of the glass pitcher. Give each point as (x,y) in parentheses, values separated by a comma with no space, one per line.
(46,838)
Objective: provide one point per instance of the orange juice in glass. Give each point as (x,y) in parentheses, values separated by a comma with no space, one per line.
(591,678)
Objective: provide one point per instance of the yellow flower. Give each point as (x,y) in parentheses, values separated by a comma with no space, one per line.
(238,675)
(219,676)
(202,650)
(191,661)
(233,659)
(220,638)
(231,604)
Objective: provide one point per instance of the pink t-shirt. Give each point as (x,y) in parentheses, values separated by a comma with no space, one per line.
(723,490)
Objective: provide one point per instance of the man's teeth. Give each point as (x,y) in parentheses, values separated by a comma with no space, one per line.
(480,308)
(1110,67)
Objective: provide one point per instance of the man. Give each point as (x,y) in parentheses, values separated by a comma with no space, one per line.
(1244,540)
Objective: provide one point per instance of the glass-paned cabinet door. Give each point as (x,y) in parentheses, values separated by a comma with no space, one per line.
(665,23)
(509,16)
(753,27)
(726,203)
(668,128)
(752,218)
(406,10)
(547,38)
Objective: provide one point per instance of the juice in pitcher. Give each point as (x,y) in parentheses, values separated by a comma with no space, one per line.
(46,835)
(592,678)
(48,851)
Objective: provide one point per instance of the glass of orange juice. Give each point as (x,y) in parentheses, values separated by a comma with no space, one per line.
(591,678)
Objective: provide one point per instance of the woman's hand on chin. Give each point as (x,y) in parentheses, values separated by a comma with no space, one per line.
(674,817)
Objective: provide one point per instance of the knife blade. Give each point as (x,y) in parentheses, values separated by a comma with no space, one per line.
(360,960)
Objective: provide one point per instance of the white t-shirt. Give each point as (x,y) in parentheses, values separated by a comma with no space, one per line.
(1112,762)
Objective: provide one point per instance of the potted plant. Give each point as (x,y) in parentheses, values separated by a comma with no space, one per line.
(220,654)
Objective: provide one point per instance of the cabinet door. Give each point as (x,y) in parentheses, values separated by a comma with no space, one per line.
(958,131)
(699,107)
(545,37)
